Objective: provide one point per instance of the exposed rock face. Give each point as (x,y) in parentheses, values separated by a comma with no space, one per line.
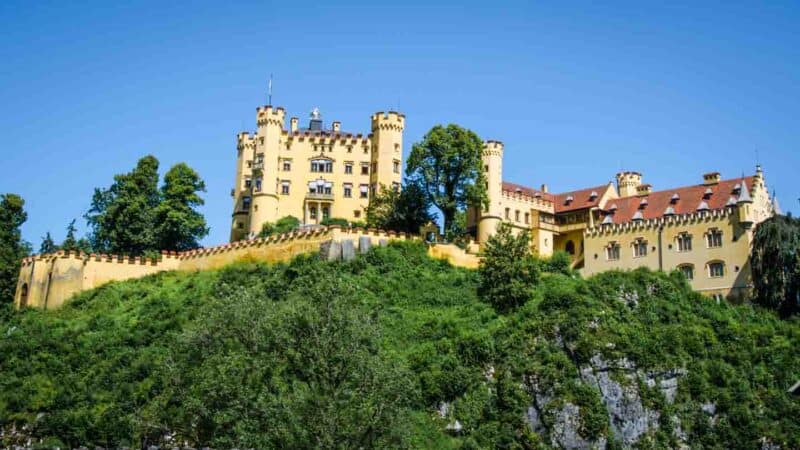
(618,383)
(564,433)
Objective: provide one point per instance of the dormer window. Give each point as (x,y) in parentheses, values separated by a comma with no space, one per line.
(613,207)
(708,192)
(643,203)
(675,197)
(569,199)
(593,195)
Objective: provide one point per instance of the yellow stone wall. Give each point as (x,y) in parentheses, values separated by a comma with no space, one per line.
(47,281)
(280,156)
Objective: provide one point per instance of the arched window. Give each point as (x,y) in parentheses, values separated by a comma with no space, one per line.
(23,297)
(687,270)
(716,269)
(570,247)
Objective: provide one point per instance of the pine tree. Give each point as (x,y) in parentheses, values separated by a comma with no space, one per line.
(48,245)
(12,247)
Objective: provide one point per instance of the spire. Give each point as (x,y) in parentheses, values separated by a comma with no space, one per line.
(744,194)
(776,208)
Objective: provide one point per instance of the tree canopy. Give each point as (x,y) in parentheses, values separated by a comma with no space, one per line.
(775,262)
(72,243)
(134,217)
(179,226)
(447,164)
(400,210)
(12,247)
(47,245)
(508,270)
(283,225)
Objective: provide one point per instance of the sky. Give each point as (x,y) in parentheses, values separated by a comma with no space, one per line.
(575,90)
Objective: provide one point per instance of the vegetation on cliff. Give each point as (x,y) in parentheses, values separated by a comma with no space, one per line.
(395,349)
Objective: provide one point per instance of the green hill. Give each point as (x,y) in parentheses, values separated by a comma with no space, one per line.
(396,350)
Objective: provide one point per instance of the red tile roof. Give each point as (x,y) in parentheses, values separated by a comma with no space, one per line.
(689,199)
(580,199)
(524,190)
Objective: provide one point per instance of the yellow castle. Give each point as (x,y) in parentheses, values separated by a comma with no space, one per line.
(312,173)
(704,230)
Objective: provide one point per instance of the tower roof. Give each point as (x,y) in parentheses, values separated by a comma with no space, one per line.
(744,193)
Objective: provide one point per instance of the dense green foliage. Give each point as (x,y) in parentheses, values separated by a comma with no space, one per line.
(448,167)
(134,217)
(400,210)
(362,354)
(179,226)
(775,262)
(509,271)
(283,225)
(12,247)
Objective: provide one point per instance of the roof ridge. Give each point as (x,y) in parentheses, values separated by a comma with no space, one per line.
(688,186)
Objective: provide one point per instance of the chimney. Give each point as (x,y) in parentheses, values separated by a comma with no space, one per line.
(544,188)
(337,126)
(710,178)
(293,124)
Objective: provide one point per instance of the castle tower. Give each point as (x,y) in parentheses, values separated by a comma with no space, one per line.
(490,218)
(245,145)
(628,183)
(265,167)
(387,149)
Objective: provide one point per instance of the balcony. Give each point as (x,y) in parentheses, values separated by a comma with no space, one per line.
(258,166)
(318,196)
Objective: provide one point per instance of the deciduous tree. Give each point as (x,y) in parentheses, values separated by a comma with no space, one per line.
(447,164)
(400,210)
(508,271)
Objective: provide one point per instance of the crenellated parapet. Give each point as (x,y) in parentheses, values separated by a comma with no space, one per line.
(267,115)
(391,120)
(541,203)
(326,137)
(492,148)
(47,281)
(716,215)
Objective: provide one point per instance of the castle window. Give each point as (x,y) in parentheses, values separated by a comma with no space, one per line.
(312,213)
(612,251)
(349,149)
(366,149)
(508,213)
(716,269)
(714,238)
(321,165)
(258,184)
(570,247)
(259,158)
(396,147)
(357,214)
(23,296)
(287,166)
(246,203)
(486,168)
(527,217)
(348,168)
(374,167)
(239,225)
(639,248)
(395,186)
(348,190)
(364,191)
(247,183)
(373,189)
(396,166)
(684,242)
(687,270)
(364,168)
(285,187)
(326,212)
(516,215)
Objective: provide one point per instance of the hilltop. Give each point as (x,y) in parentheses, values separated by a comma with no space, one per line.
(396,349)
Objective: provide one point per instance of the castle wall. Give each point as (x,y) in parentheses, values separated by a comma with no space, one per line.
(47,281)
(663,251)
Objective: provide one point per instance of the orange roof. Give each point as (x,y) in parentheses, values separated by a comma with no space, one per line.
(580,199)
(524,190)
(682,200)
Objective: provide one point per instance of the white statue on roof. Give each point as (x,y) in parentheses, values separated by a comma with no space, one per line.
(315,115)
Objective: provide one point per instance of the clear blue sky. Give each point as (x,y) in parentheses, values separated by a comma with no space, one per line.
(576,91)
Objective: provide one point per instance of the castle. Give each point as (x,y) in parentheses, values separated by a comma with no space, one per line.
(311,173)
(704,230)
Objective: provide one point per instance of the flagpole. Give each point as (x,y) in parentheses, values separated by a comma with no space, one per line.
(270,90)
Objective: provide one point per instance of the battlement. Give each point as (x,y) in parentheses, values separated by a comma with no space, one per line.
(327,137)
(492,148)
(267,115)
(541,203)
(49,280)
(244,141)
(716,215)
(391,120)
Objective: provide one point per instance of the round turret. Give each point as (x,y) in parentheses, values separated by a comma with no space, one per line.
(391,120)
(628,183)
